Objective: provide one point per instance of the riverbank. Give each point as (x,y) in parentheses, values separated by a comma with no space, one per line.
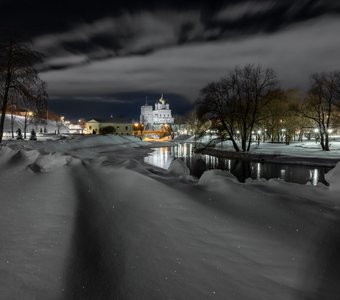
(304,153)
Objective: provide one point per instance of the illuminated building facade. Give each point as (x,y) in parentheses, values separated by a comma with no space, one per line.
(153,118)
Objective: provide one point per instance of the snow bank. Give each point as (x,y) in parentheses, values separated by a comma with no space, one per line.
(49,163)
(34,159)
(178,167)
(12,157)
(216,177)
(333,178)
(5,153)
(111,227)
(96,140)
(24,157)
(182,137)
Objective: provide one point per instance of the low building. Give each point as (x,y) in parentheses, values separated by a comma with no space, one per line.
(121,127)
(75,128)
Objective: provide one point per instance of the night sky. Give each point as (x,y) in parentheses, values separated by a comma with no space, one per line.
(104,57)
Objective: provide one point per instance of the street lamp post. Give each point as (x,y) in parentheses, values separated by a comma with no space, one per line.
(258,137)
(139,128)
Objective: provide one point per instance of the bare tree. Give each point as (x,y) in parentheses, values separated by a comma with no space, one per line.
(58,123)
(41,104)
(234,103)
(33,102)
(13,98)
(16,67)
(282,118)
(322,103)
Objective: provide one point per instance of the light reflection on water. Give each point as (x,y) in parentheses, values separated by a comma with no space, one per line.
(160,157)
(198,163)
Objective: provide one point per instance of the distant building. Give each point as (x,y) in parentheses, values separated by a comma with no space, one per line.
(152,118)
(75,128)
(122,127)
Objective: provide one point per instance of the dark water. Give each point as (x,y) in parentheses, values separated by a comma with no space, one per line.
(198,163)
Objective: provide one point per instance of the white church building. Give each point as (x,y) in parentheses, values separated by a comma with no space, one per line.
(154,118)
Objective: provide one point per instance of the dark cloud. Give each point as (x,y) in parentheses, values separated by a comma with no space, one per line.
(103,29)
(294,53)
(134,48)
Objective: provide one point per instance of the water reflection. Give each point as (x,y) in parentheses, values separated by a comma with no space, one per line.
(199,163)
(160,157)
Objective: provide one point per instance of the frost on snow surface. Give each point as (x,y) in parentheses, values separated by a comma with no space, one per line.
(85,218)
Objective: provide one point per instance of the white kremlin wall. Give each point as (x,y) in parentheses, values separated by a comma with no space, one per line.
(19,121)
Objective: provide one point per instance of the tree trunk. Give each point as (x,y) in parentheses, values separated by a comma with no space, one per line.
(300,136)
(12,118)
(249,139)
(322,141)
(236,147)
(12,125)
(25,126)
(243,141)
(7,86)
(287,139)
(249,142)
(326,141)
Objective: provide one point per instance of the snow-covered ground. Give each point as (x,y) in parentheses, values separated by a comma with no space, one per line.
(296,149)
(19,122)
(85,218)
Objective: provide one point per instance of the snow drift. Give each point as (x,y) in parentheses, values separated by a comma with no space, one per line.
(94,222)
(333,178)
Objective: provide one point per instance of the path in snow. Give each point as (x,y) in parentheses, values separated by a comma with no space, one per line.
(110,227)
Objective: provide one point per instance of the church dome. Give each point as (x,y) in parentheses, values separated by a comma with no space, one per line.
(162,100)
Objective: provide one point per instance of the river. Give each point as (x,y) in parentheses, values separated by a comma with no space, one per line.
(198,163)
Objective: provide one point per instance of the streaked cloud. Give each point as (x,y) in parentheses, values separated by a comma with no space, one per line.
(109,50)
(293,53)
